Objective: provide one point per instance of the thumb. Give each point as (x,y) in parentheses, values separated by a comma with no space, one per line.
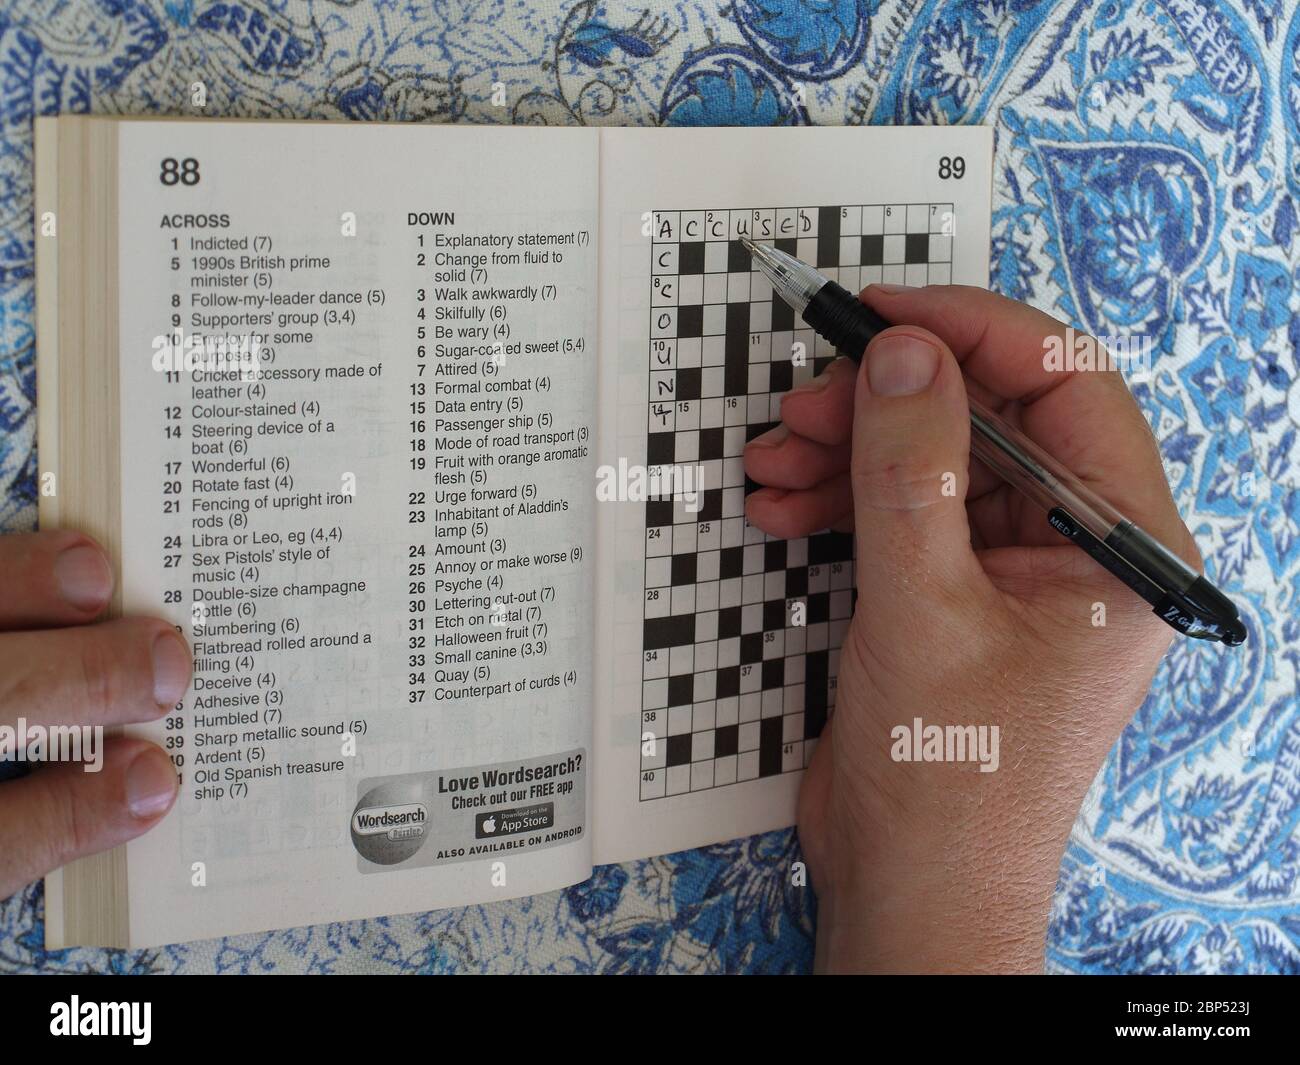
(910,463)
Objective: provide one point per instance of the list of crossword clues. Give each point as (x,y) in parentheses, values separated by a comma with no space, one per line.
(742,631)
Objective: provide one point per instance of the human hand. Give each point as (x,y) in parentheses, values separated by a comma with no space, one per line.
(971,611)
(56,668)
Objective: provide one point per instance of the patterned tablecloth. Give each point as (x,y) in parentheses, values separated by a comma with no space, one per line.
(1147,172)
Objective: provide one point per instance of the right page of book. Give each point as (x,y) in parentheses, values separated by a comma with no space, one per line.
(717,646)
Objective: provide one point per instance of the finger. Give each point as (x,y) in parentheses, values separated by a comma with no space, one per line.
(788,515)
(911,446)
(61,812)
(782,459)
(999,342)
(52,578)
(1086,419)
(822,410)
(118,672)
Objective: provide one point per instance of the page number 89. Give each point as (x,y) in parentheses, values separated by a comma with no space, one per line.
(954,167)
(185,172)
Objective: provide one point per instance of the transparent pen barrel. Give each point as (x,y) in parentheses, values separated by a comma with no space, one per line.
(1022,463)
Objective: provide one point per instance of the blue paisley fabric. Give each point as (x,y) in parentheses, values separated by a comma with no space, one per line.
(1147,175)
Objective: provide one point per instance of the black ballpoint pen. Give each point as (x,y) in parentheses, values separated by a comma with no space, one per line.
(1180,596)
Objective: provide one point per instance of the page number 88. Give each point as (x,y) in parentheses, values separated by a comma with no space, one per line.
(185,172)
(954,167)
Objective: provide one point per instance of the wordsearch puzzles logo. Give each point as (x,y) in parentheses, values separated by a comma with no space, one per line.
(387,830)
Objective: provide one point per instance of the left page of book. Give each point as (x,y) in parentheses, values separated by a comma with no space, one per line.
(357,395)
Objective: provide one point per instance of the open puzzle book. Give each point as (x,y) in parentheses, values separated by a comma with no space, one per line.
(429,439)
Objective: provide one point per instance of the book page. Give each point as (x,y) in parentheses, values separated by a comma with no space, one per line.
(372,520)
(717,648)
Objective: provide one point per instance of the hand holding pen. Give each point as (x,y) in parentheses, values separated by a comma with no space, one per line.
(1179,595)
(972,611)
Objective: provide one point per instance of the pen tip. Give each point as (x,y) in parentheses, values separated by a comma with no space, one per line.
(1234,633)
(748,243)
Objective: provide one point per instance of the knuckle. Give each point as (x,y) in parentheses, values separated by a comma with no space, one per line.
(98,679)
(22,688)
(59,831)
(899,484)
(78,835)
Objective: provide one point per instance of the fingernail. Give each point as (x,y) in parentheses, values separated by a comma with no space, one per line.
(901,365)
(891,289)
(83,578)
(772,437)
(150,784)
(171,670)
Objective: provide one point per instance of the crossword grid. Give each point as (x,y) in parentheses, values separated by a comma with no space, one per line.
(731,689)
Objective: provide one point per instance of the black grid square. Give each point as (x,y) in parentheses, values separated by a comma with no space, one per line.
(683,568)
(732,563)
(830,547)
(819,607)
(828,236)
(658,512)
(674,631)
(679,749)
(690,320)
(726,740)
(782,315)
(728,622)
(916,249)
(711,443)
(688,383)
(773,673)
(769,746)
(796,582)
(661,449)
(728,682)
(712,508)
